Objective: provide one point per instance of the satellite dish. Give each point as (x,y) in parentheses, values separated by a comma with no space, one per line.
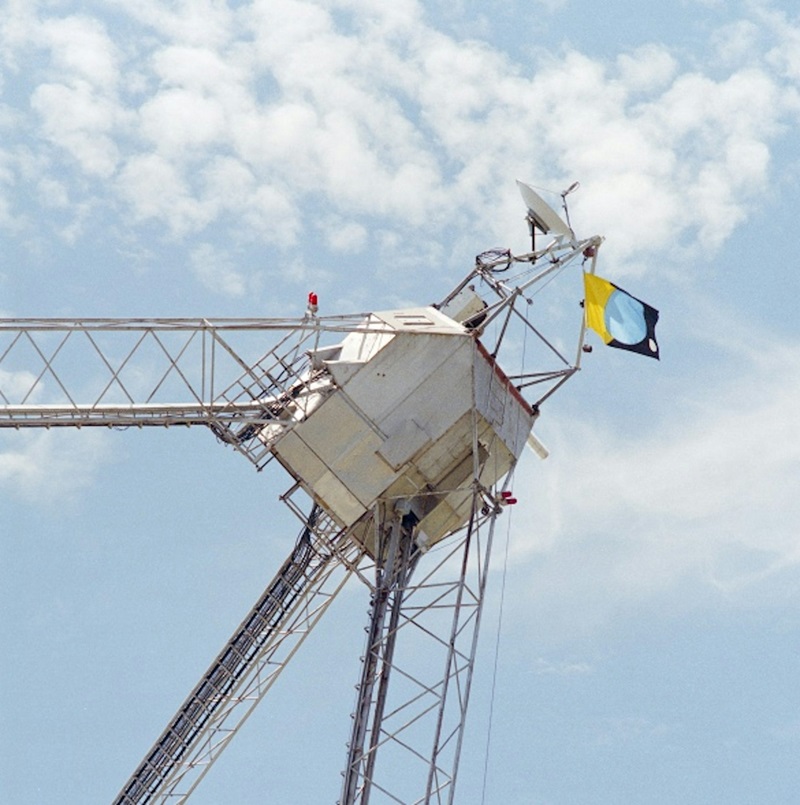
(542,215)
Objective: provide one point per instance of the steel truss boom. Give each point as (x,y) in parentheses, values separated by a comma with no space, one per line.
(157,372)
(318,567)
(215,372)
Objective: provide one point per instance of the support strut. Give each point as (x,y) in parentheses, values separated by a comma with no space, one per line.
(246,667)
(421,638)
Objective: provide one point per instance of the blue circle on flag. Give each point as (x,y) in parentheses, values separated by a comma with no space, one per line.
(624,318)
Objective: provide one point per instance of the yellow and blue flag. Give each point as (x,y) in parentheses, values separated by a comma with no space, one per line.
(621,320)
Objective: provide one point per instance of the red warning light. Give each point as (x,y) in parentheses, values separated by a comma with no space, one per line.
(312,299)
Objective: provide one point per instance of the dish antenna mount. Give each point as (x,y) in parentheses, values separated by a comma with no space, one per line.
(543,217)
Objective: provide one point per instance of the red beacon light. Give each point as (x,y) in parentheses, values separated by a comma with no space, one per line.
(313,303)
(507,498)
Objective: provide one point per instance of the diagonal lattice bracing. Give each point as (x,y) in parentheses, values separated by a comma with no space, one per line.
(121,373)
(406,736)
(248,665)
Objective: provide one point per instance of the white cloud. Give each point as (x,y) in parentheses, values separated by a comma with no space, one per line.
(156,189)
(737,42)
(81,48)
(785,55)
(16,25)
(271,213)
(685,163)
(369,110)
(545,667)
(50,467)
(705,503)
(17,386)
(7,181)
(630,731)
(648,68)
(280,136)
(81,123)
(198,69)
(177,120)
(54,193)
(206,23)
(216,271)
(343,236)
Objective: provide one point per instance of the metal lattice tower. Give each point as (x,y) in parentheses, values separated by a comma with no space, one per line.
(399,430)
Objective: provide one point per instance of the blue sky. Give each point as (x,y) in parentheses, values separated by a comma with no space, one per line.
(214,158)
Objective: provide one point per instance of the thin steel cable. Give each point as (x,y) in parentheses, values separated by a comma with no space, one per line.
(496,664)
(500,613)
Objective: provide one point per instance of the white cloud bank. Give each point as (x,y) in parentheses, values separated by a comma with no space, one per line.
(202,115)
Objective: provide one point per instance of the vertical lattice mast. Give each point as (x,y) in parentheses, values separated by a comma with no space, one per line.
(422,636)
